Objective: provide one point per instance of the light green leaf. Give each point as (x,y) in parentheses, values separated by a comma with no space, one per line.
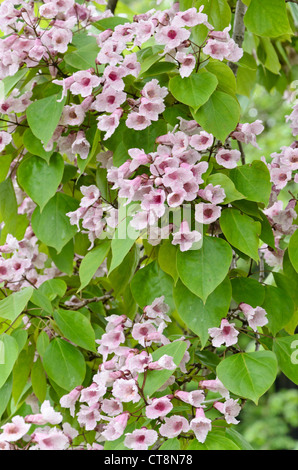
(194,90)
(293,250)
(11,352)
(34,146)
(76,327)
(38,380)
(216,440)
(52,225)
(279,307)
(40,179)
(248,375)
(248,290)
(220,115)
(253,181)
(267,18)
(92,261)
(64,364)
(151,282)
(199,317)
(13,305)
(241,231)
(227,184)
(196,267)
(286,350)
(43,116)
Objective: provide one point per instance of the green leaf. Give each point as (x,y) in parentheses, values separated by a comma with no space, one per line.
(170,444)
(220,115)
(167,256)
(5,394)
(227,184)
(219,15)
(76,327)
(92,261)
(216,440)
(64,364)
(42,343)
(238,439)
(241,231)
(34,146)
(65,259)
(84,57)
(13,305)
(194,90)
(40,179)
(248,375)
(8,83)
(267,18)
(38,380)
(286,350)
(11,352)
(43,116)
(156,378)
(122,275)
(196,268)
(253,181)
(248,290)
(39,299)
(199,317)
(52,225)
(21,371)
(293,250)
(279,307)
(226,78)
(151,282)
(53,288)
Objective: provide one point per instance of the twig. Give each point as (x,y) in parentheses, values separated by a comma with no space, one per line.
(112,5)
(239,30)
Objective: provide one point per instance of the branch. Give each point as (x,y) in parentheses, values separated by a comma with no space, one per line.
(239,30)
(112,5)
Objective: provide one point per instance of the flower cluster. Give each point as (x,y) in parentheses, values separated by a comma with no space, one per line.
(117,397)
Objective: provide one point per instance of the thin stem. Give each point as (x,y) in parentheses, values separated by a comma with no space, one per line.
(239,30)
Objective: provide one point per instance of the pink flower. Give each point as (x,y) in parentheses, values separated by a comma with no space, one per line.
(153,91)
(201,141)
(215,386)
(141,331)
(83,83)
(255,316)
(247,133)
(137,121)
(207,213)
(159,407)
(173,426)
(151,109)
(126,390)
(140,439)
(113,76)
(280,176)
(88,416)
(116,427)
(226,334)
(154,201)
(157,309)
(69,400)
(72,115)
(139,157)
(228,158)
(111,407)
(93,393)
(91,195)
(5,139)
(213,194)
(194,398)
(50,439)
(200,425)
(185,238)
(81,145)
(172,36)
(47,415)
(109,100)
(57,38)
(109,123)
(187,63)
(14,430)
(230,409)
